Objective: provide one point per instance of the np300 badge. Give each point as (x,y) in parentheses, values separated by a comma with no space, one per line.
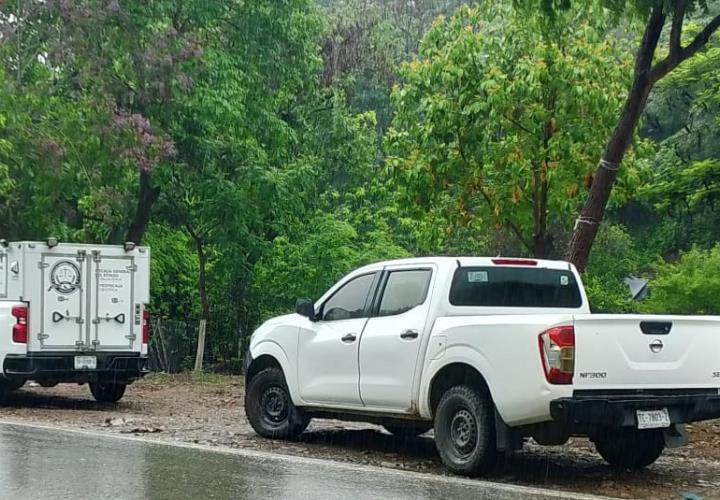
(65,277)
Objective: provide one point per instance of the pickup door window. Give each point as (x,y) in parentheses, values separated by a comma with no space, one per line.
(391,341)
(328,349)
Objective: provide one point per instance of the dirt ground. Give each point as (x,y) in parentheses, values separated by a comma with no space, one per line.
(208,410)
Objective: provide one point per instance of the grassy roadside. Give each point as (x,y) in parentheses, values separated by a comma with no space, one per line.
(192,378)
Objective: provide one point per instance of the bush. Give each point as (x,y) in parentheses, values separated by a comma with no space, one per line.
(688,286)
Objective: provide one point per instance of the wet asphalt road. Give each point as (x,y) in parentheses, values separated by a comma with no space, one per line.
(39,463)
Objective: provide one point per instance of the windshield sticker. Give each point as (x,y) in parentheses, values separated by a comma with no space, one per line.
(564,280)
(477,276)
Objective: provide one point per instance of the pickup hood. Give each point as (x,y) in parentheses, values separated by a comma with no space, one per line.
(646,352)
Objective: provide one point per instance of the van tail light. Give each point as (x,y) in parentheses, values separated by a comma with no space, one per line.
(557,351)
(146,326)
(19,332)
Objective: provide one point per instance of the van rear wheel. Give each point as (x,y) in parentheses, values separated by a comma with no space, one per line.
(107,393)
(465,430)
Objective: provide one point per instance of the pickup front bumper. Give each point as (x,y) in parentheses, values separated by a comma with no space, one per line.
(619,408)
(60,367)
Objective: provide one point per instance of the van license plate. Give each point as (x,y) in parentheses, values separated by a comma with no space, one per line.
(85,362)
(654,419)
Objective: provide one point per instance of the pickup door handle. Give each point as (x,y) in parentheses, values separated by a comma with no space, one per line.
(656,327)
(350,337)
(409,334)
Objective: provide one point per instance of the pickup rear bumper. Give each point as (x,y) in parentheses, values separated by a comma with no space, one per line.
(594,408)
(115,368)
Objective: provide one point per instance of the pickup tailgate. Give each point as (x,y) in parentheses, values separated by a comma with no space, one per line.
(646,352)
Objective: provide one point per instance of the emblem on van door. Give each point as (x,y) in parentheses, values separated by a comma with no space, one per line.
(65,277)
(656,346)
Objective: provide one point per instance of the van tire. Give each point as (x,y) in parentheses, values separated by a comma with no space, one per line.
(631,448)
(107,393)
(269,407)
(465,430)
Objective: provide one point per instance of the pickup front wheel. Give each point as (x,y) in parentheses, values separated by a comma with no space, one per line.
(465,430)
(269,408)
(631,448)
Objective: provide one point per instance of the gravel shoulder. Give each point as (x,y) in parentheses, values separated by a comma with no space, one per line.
(208,410)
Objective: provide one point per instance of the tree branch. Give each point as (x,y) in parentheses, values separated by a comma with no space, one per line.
(675,58)
(518,124)
(676,30)
(525,242)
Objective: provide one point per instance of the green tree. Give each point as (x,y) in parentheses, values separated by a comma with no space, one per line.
(496,123)
(655,58)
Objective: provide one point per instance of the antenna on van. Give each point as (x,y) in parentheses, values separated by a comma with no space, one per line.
(52,242)
(4,243)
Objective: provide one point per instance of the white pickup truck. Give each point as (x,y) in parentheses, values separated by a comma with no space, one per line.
(487,352)
(73,313)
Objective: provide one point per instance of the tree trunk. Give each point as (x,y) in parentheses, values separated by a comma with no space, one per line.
(200,354)
(147,197)
(204,301)
(587,225)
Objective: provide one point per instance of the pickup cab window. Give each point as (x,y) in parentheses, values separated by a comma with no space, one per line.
(350,300)
(404,290)
(514,287)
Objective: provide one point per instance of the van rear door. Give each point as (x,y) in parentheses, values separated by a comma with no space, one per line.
(63,300)
(112,312)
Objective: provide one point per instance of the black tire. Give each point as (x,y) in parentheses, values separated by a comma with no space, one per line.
(465,431)
(408,429)
(107,393)
(631,448)
(269,408)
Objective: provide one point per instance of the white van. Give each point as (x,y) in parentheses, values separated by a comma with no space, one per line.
(73,313)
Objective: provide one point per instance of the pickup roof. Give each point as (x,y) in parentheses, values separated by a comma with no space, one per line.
(487,352)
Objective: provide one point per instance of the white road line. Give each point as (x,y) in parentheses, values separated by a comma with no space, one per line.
(293,459)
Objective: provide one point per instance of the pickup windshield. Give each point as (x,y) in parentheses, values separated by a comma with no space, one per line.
(514,287)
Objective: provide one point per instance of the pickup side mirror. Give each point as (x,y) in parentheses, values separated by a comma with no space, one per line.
(305,307)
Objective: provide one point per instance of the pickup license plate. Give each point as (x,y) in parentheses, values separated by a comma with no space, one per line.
(653,419)
(85,362)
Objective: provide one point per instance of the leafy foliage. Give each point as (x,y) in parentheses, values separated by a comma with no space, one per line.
(497,125)
(689,286)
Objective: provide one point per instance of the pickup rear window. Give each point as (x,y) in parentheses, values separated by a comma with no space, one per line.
(514,287)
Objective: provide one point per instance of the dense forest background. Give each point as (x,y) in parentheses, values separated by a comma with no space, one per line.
(263,148)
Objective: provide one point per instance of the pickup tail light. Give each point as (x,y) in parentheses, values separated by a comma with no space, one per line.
(557,351)
(146,326)
(20,331)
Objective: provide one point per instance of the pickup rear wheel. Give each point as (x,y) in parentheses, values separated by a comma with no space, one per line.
(631,448)
(270,409)
(465,430)
(107,393)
